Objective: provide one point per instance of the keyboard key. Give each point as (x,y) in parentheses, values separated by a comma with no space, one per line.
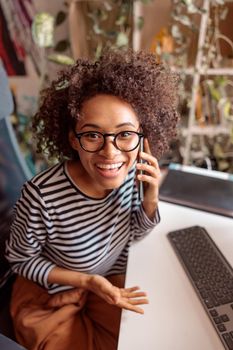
(217,320)
(230,285)
(228,340)
(209,303)
(204,293)
(213,312)
(224,318)
(221,327)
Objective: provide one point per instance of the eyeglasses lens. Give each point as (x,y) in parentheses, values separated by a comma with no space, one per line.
(127,141)
(124,141)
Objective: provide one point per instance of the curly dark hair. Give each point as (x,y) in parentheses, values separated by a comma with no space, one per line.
(135,77)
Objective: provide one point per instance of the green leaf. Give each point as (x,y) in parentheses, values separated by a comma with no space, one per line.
(97,29)
(219,2)
(224,13)
(98,51)
(43,29)
(62,85)
(215,93)
(185,20)
(193,9)
(62,46)
(175,31)
(187,2)
(61,59)
(60,18)
(146,1)
(223,165)
(221,80)
(107,6)
(218,151)
(140,22)
(122,40)
(227,109)
(120,20)
(102,15)
(231,136)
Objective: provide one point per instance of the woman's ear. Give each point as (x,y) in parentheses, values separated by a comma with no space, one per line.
(73,140)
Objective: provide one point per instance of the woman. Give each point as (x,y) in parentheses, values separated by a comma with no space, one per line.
(75,222)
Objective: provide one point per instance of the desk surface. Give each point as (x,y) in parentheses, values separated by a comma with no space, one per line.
(175,318)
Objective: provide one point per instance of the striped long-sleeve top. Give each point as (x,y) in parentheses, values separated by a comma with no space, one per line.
(56,224)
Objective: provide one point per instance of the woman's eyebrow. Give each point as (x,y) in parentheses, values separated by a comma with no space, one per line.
(95,126)
(125,124)
(90,125)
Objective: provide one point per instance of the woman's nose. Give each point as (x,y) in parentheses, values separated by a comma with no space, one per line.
(109,150)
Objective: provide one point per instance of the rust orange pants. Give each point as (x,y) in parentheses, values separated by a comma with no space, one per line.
(94,326)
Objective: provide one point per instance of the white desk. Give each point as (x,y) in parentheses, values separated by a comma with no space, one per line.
(175,318)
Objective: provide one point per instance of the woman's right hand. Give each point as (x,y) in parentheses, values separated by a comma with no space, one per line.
(125,298)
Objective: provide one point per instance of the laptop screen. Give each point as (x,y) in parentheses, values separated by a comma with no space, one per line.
(204,192)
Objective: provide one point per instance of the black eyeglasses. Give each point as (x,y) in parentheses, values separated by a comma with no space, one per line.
(94,141)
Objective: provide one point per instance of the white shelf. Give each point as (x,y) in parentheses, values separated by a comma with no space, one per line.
(212,130)
(197,72)
(202,71)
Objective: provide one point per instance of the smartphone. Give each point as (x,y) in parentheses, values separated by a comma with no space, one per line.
(140,189)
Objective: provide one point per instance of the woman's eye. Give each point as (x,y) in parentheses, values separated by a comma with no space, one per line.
(125,134)
(92,135)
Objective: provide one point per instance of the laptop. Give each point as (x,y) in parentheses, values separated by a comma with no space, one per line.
(203,189)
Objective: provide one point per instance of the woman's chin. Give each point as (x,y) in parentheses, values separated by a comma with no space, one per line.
(110,181)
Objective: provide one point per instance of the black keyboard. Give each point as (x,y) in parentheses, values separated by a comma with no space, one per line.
(211,276)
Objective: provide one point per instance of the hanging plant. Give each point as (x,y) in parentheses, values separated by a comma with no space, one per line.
(117,34)
(43,33)
(43,30)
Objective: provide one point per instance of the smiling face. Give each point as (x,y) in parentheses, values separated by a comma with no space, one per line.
(106,169)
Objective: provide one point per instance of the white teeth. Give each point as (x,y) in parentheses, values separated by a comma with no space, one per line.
(109,166)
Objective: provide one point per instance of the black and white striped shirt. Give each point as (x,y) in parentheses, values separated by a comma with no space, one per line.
(57,225)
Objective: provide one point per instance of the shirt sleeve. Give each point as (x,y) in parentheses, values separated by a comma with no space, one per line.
(24,248)
(141,224)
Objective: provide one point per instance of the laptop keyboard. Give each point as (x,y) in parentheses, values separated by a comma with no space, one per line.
(211,276)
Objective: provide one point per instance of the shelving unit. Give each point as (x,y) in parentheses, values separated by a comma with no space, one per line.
(197,71)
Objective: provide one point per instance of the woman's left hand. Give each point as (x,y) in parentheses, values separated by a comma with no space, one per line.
(150,178)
